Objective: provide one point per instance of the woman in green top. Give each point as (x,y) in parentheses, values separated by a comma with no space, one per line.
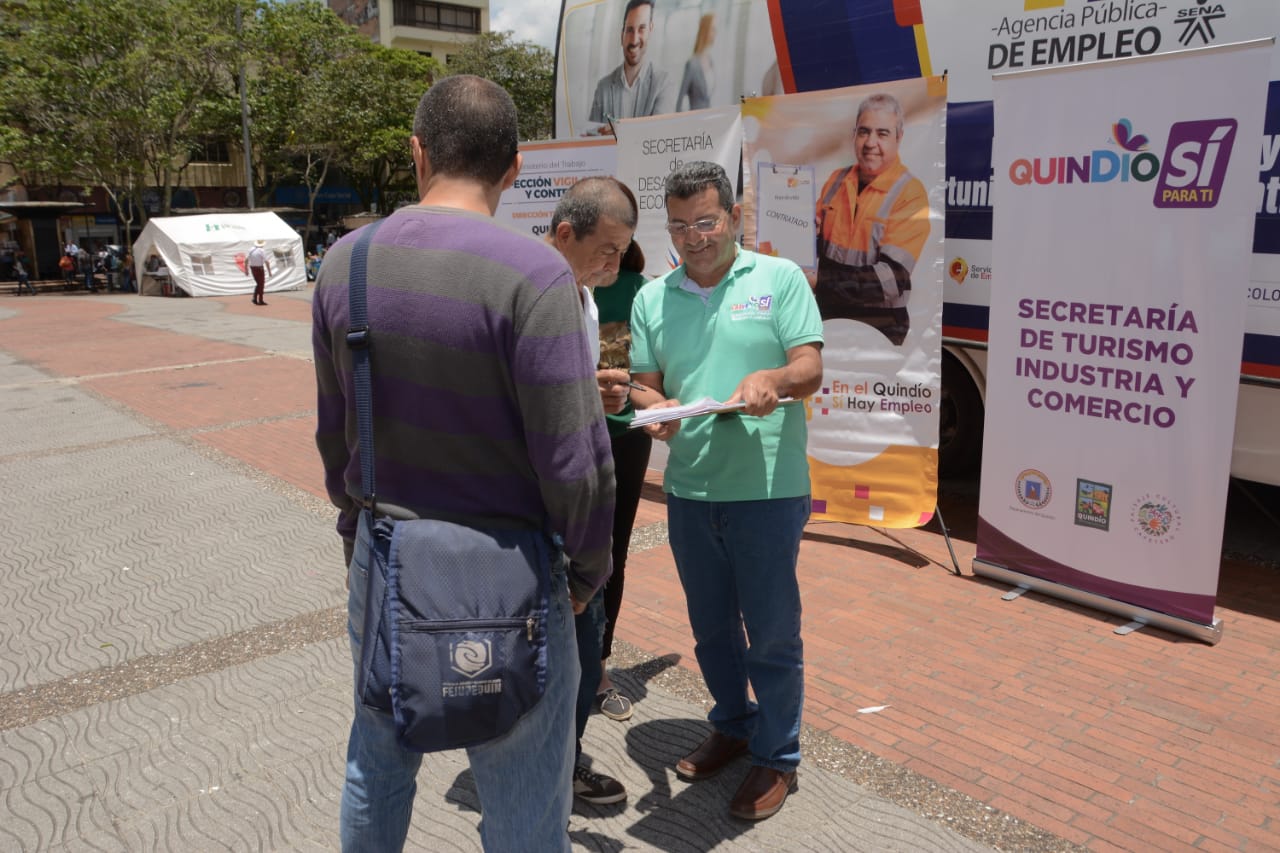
(630,457)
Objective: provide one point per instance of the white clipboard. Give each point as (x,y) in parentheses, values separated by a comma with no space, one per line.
(786,196)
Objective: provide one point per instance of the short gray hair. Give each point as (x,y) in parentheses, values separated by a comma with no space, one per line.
(594,197)
(880,101)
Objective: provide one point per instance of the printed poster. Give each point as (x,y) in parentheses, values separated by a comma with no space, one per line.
(549,169)
(649,149)
(661,58)
(1121,249)
(876,261)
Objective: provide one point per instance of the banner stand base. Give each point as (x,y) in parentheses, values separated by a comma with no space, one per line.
(937,510)
(1210,634)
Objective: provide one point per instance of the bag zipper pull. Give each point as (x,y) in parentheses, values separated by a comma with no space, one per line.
(528,624)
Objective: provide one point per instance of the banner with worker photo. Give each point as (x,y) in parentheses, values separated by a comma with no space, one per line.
(658,58)
(1121,249)
(649,149)
(549,169)
(874,157)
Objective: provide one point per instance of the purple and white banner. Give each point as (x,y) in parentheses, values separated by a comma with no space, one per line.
(1121,249)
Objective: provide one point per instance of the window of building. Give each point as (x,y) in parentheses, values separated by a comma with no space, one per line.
(211,151)
(437,16)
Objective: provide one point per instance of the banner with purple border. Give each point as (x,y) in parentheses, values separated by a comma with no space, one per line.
(1121,247)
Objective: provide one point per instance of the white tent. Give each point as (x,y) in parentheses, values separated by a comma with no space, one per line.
(205,255)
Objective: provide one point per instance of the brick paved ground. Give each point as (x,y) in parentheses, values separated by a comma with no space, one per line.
(1034,706)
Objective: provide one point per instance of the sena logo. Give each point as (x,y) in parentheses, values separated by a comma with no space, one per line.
(1197,22)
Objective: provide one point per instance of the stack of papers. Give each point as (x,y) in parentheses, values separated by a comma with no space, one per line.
(705,406)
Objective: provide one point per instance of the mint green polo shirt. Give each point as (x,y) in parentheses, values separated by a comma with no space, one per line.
(762,308)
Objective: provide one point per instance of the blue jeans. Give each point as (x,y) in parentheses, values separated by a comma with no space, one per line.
(737,564)
(588,627)
(524,778)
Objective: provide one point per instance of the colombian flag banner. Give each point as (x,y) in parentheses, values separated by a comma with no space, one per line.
(1121,254)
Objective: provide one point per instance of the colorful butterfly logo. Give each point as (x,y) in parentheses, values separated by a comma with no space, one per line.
(1126,138)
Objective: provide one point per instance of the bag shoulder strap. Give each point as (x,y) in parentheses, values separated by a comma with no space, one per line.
(360,344)
(358,341)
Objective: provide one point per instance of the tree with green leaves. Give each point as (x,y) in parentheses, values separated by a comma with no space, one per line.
(524,69)
(113,94)
(103,93)
(381,94)
(326,98)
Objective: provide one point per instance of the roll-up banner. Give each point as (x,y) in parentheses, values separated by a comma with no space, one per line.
(975,40)
(1121,247)
(649,149)
(549,169)
(849,184)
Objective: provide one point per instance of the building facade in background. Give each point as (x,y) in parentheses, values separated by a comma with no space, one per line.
(429,28)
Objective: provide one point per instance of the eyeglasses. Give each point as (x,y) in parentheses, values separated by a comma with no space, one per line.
(702,226)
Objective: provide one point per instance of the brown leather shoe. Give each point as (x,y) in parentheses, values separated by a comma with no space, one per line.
(762,793)
(710,757)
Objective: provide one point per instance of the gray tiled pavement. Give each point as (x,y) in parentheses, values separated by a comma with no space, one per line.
(124,554)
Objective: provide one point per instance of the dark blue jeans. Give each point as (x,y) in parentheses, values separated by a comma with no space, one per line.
(737,564)
(588,625)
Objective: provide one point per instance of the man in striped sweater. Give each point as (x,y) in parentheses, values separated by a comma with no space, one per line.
(487,412)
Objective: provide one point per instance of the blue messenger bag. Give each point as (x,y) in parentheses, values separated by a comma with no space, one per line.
(455,630)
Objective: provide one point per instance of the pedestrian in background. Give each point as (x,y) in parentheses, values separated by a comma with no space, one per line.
(259,268)
(84,261)
(20,272)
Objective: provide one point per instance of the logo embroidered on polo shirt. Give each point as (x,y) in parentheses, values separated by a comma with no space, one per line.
(755,308)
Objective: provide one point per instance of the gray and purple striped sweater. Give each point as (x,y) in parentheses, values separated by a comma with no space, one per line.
(486,409)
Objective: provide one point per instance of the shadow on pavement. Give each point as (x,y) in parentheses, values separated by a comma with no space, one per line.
(684,817)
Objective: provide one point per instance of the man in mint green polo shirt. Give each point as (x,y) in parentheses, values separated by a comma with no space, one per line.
(738,327)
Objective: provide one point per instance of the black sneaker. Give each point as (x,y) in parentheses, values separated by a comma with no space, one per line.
(596,788)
